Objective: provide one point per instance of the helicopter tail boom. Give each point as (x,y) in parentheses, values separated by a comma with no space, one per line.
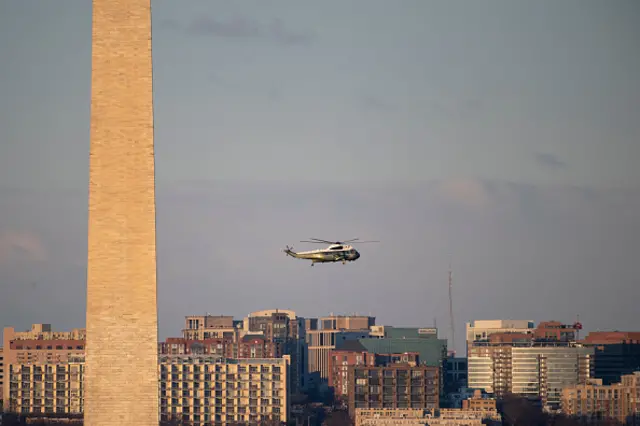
(289,251)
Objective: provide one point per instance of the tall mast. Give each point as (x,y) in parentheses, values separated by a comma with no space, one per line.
(451,311)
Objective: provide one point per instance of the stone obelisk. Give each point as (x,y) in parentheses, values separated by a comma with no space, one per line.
(121,371)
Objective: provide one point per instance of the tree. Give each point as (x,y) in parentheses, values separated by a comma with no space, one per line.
(518,411)
(338,418)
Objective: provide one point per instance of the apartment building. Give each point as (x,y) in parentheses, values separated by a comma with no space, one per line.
(479,402)
(393,386)
(248,346)
(203,327)
(339,363)
(332,331)
(198,389)
(203,390)
(482,329)
(286,331)
(39,345)
(420,417)
(341,360)
(347,322)
(40,388)
(593,400)
(320,343)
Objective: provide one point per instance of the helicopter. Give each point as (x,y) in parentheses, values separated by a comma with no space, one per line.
(338,251)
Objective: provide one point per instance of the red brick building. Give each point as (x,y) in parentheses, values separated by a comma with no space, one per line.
(339,363)
(611,337)
(393,386)
(341,360)
(249,346)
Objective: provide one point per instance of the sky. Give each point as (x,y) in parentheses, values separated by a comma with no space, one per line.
(500,136)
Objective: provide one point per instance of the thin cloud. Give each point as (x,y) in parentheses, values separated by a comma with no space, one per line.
(376,103)
(243,28)
(21,245)
(550,161)
(468,192)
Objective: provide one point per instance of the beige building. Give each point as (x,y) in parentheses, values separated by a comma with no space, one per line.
(42,332)
(202,327)
(482,329)
(195,389)
(347,322)
(479,402)
(419,417)
(205,389)
(40,345)
(39,388)
(592,400)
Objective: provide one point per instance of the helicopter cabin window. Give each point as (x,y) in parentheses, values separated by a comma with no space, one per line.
(336,248)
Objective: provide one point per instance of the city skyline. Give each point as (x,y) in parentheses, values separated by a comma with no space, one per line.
(503,144)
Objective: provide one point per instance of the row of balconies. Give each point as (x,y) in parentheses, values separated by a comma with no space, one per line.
(229,378)
(186,403)
(270,394)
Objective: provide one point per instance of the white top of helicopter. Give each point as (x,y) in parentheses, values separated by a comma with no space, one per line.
(334,247)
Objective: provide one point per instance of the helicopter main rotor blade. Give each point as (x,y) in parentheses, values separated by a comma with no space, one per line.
(352,241)
(322,241)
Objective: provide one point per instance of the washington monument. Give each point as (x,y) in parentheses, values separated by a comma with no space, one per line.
(121,371)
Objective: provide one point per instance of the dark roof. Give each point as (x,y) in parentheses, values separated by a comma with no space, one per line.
(350,345)
(249,337)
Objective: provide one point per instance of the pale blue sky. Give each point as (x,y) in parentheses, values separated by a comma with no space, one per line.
(503,132)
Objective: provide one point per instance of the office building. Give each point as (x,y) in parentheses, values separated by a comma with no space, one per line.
(455,374)
(535,364)
(617,353)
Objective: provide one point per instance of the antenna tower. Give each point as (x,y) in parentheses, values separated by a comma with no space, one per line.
(453,350)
